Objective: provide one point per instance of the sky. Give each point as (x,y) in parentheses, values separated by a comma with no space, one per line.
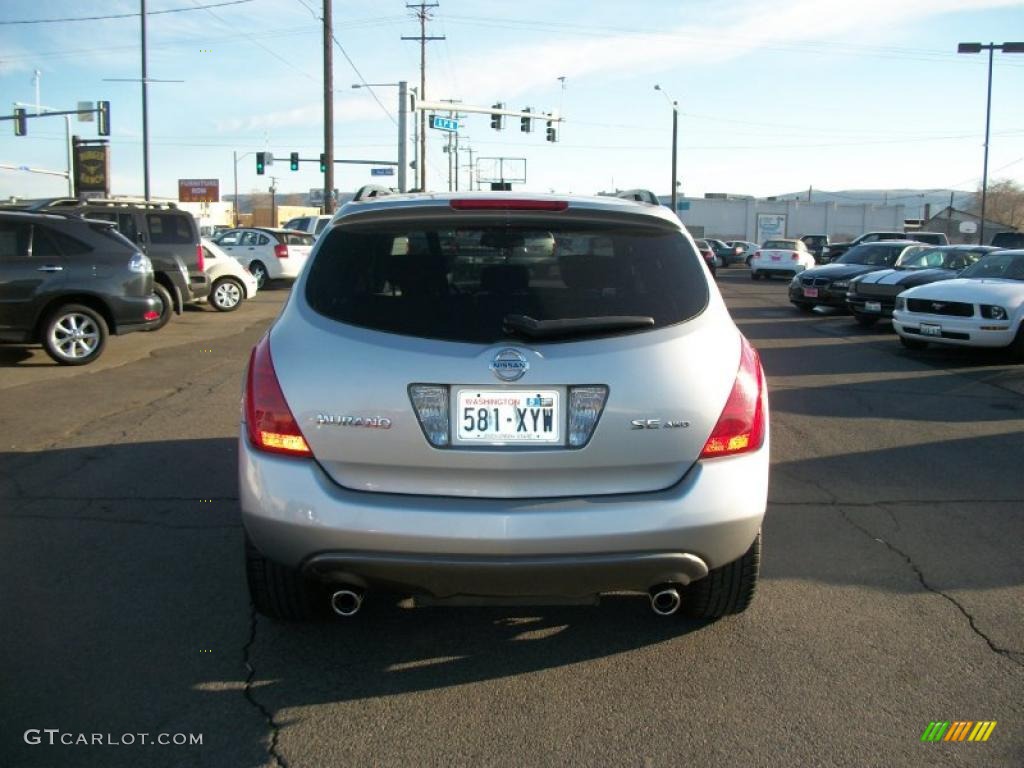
(773,97)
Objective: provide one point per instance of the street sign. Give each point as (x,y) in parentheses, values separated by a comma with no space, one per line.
(443,123)
(382,171)
(198,190)
(83,115)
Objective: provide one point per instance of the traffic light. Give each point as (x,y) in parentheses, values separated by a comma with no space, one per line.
(552,133)
(102,118)
(497,120)
(323,163)
(261,163)
(20,122)
(295,161)
(526,123)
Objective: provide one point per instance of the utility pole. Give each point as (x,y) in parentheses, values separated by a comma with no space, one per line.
(273,198)
(234,200)
(448,149)
(424,16)
(145,109)
(328,109)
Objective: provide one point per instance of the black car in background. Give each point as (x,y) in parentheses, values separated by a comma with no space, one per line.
(828,283)
(167,234)
(818,245)
(67,283)
(835,250)
(872,297)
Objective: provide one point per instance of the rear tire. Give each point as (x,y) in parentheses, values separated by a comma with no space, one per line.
(259,270)
(281,593)
(166,307)
(754,275)
(725,590)
(913,343)
(227,294)
(865,321)
(75,335)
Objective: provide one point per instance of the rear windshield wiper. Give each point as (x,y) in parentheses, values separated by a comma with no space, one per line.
(572,326)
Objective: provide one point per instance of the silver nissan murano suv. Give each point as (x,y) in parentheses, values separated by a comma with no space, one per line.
(433,415)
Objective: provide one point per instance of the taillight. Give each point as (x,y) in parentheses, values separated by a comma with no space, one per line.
(741,426)
(757,255)
(200,259)
(281,251)
(795,256)
(268,419)
(492,204)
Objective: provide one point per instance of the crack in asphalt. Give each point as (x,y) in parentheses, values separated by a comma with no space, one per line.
(275,729)
(1007,653)
(834,502)
(91,499)
(124,521)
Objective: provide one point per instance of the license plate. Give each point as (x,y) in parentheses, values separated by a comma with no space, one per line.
(496,417)
(872,306)
(811,293)
(931,329)
(776,258)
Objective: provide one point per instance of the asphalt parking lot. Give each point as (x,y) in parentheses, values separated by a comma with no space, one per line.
(892,592)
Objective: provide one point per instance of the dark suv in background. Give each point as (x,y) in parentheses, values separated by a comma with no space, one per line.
(68,282)
(165,233)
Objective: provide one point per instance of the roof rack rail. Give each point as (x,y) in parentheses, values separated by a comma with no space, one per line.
(367,191)
(113,202)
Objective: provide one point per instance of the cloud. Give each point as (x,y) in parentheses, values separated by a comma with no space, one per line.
(346,110)
(739,29)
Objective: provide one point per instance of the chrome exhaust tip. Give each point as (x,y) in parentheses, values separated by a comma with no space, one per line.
(346,602)
(665,600)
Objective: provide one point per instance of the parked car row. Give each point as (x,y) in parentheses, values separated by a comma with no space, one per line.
(73,272)
(957,295)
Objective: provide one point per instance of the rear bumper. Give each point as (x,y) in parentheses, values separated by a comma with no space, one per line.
(129,313)
(775,269)
(297,516)
(565,575)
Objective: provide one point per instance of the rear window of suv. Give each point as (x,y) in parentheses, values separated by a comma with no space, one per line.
(170,229)
(461,283)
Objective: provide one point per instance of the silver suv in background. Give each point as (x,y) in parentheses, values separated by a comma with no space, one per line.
(433,415)
(311,225)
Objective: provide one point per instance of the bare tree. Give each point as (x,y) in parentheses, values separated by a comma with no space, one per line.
(1004,203)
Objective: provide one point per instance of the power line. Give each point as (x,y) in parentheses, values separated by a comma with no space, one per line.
(255,42)
(362,79)
(122,15)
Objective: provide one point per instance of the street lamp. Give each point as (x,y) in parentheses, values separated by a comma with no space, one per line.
(675,136)
(978,48)
(403,109)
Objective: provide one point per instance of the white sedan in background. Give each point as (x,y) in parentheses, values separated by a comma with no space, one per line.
(785,258)
(269,253)
(230,282)
(984,307)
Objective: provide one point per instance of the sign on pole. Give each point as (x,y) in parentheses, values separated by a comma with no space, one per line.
(382,171)
(91,168)
(198,190)
(444,123)
(85,111)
